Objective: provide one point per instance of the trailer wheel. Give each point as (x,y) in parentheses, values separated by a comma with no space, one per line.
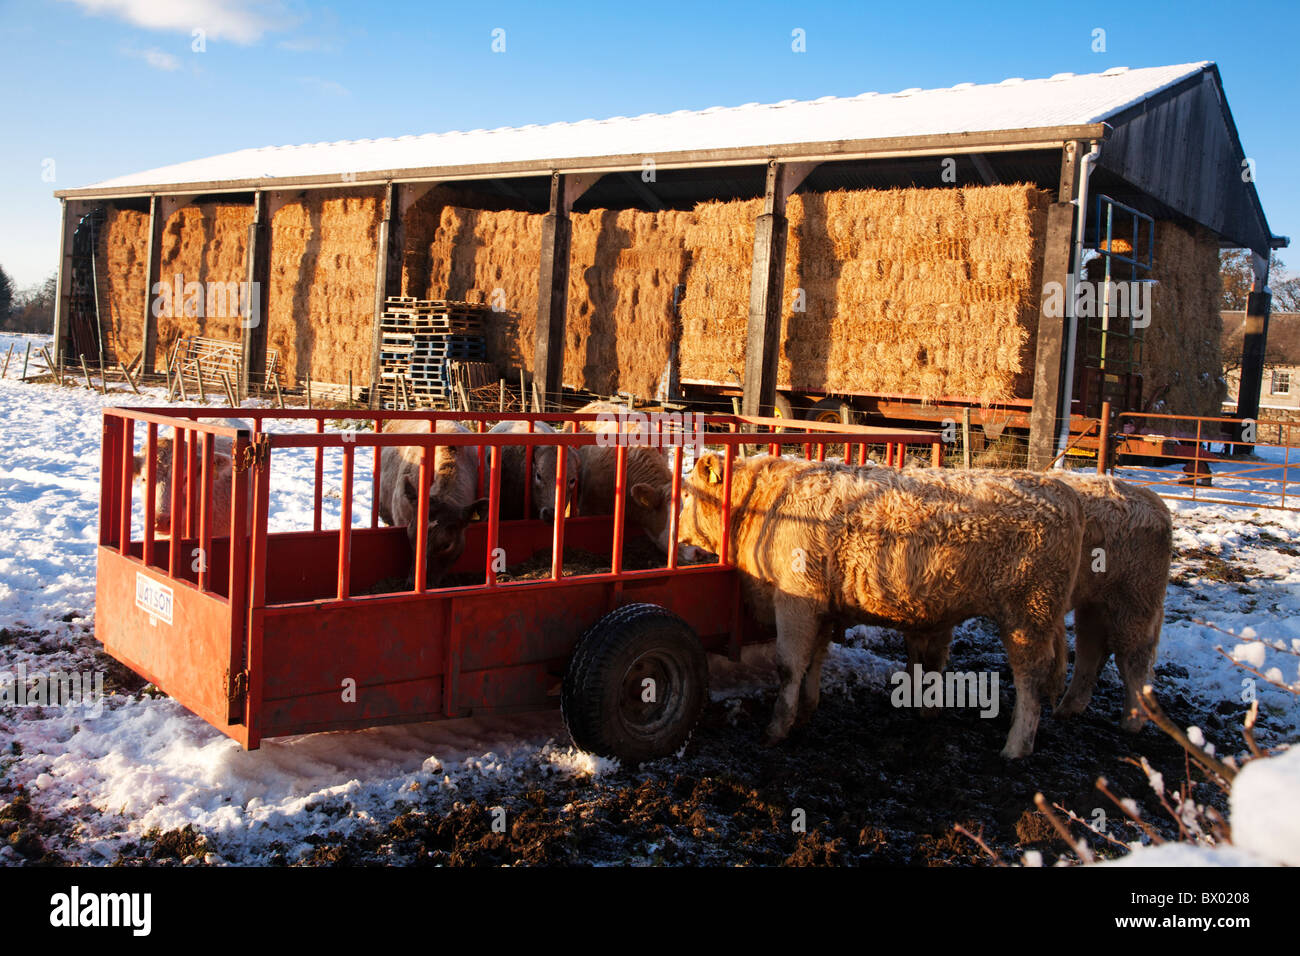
(781,407)
(636,684)
(831,410)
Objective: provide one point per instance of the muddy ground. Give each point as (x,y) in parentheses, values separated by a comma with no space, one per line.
(874,785)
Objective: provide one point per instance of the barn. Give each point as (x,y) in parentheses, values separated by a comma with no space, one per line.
(1019,252)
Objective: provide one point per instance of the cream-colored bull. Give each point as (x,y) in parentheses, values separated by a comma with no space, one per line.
(920,550)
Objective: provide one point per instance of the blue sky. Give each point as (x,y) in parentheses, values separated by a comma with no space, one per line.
(107,87)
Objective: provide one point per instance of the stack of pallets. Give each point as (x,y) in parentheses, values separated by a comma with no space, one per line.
(419,339)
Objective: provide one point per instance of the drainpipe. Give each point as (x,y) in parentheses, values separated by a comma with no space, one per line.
(1076,275)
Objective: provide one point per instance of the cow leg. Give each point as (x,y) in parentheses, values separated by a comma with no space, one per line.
(1091,650)
(1032,652)
(797,633)
(1136,664)
(930,650)
(811,690)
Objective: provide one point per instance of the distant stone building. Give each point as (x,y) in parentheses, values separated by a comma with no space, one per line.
(1279,395)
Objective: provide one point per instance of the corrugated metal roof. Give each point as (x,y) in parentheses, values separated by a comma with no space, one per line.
(1065,99)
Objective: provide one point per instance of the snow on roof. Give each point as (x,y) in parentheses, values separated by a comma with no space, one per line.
(1065,99)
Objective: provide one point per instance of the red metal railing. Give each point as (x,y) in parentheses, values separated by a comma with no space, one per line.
(192,485)
(1263,481)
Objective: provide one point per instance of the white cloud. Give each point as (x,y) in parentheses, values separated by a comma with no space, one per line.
(156,58)
(242,21)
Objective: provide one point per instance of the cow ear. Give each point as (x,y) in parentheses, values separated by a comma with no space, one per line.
(409,488)
(647,495)
(137,466)
(476,510)
(710,469)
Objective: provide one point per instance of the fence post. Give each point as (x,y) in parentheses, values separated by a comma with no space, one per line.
(1103,439)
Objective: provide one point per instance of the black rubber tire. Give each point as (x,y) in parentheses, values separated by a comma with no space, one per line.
(601,698)
(781,407)
(830,410)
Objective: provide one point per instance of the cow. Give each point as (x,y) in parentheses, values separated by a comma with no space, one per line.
(820,543)
(453,488)
(1119,595)
(223,471)
(649,482)
(543,476)
(1119,592)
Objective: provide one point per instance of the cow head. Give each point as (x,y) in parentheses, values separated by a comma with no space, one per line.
(444,530)
(650,507)
(543,479)
(700,525)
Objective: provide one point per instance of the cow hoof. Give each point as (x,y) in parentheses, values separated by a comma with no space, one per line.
(771,739)
(1016,752)
(1067,709)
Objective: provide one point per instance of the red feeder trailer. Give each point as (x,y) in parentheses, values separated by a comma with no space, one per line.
(262,634)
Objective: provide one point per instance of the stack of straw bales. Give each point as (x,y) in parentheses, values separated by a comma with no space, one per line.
(928,292)
(204,243)
(322,295)
(122,257)
(919,292)
(1183,344)
(1182,347)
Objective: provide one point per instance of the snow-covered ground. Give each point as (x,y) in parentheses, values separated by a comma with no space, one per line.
(145,762)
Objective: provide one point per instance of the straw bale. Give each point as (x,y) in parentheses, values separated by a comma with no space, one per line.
(322,296)
(927,292)
(204,243)
(122,259)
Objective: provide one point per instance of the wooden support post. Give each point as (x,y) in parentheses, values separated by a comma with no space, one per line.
(1254,342)
(126,374)
(73,210)
(965,438)
(388,276)
(27,354)
(153,268)
(766,288)
(5,372)
(1054,309)
(552,296)
(553,287)
(252,365)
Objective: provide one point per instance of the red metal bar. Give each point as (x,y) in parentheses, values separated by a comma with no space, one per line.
(125,483)
(205,510)
(807,451)
(482,464)
(174,532)
(821,451)
(422,522)
(494,518)
(620,506)
(257,596)
(936,455)
(108,467)
(675,507)
(561,485)
(320,478)
(528,473)
(238,580)
(345,526)
(191,482)
(724,542)
(862,454)
(150,491)
(375,483)
(1196,461)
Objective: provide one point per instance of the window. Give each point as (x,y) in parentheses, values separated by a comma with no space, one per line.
(1281,383)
